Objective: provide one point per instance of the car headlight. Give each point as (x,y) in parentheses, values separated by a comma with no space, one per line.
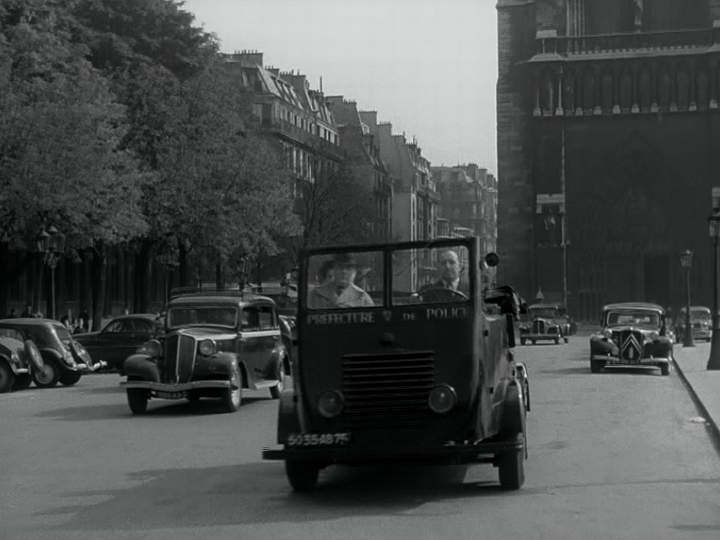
(152,348)
(207,347)
(652,336)
(442,399)
(607,334)
(331,404)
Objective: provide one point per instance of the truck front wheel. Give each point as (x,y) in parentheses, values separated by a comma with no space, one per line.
(511,469)
(302,475)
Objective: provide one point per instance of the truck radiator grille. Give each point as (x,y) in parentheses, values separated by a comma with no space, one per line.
(387,390)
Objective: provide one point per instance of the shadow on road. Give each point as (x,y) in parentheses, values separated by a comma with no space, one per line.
(156,408)
(259,493)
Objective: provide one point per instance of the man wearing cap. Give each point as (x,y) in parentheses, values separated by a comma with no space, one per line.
(340,291)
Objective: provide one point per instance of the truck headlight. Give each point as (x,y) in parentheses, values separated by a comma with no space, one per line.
(152,348)
(330,404)
(207,347)
(442,399)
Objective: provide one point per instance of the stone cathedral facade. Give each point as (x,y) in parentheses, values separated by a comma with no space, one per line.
(608,148)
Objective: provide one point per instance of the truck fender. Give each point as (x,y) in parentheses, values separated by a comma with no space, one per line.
(288,420)
(509,408)
(141,367)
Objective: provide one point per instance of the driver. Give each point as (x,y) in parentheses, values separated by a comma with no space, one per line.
(449,270)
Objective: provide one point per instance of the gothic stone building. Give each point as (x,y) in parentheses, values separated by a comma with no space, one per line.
(608,148)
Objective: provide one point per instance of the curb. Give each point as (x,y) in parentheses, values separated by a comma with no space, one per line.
(710,421)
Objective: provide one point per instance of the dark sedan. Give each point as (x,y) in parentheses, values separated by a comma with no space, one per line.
(119,338)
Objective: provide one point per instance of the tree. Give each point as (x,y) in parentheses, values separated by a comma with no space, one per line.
(60,128)
(337,209)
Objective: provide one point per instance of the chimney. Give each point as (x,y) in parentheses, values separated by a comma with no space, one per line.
(369,118)
(248,58)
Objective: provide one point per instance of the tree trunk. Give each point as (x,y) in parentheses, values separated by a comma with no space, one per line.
(183,268)
(99,285)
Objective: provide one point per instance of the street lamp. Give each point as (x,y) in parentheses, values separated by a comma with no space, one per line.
(714,222)
(51,244)
(686,262)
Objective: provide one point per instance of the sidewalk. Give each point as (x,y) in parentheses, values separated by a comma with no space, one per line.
(691,363)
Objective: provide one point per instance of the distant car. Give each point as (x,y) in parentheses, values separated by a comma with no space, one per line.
(119,338)
(632,334)
(19,359)
(64,359)
(700,321)
(214,345)
(545,322)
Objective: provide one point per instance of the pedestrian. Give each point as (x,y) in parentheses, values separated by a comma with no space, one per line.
(65,320)
(28,311)
(12,314)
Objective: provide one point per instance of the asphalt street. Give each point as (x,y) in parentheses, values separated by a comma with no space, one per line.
(615,455)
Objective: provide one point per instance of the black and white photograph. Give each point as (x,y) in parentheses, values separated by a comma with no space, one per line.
(360,269)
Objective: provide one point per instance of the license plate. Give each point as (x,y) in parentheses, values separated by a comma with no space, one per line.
(318,439)
(170,395)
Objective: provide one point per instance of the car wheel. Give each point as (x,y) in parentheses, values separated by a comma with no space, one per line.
(533,342)
(557,340)
(522,341)
(48,376)
(596,366)
(566,340)
(193,397)
(511,469)
(665,369)
(70,378)
(276,390)
(23,381)
(7,378)
(137,400)
(302,475)
(232,396)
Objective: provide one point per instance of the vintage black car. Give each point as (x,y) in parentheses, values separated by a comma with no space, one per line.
(214,344)
(64,359)
(545,322)
(700,321)
(398,365)
(19,359)
(119,338)
(633,334)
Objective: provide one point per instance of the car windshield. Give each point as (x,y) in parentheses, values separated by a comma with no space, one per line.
(345,280)
(627,317)
(430,275)
(11,333)
(202,315)
(701,314)
(544,312)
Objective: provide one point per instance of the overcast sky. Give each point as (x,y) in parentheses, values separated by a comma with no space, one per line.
(429,67)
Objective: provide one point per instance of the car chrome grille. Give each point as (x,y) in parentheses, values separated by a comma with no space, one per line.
(387,390)
(179,359)
(538,327)
(630,344)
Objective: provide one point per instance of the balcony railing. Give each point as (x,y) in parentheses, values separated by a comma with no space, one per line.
(629,42)
(301,136)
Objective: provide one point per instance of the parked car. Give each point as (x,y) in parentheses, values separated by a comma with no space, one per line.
(119,338)
(632,334)
(700,321)
(214,344)
(19,359)
(64,359)
(545,322)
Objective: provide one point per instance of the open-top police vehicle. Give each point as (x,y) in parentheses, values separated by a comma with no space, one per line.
(214,344)
(406,366)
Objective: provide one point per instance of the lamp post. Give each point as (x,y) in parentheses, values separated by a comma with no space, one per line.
(686,262)
(51,244)
(714,222)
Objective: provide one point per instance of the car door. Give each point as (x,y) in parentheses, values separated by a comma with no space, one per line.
(112,344)
(259,336)
(138,332)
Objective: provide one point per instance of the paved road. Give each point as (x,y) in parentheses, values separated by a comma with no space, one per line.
(613,456)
